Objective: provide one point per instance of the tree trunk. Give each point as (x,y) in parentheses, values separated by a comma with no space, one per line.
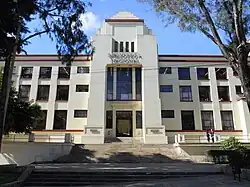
(6,85)
(244,75)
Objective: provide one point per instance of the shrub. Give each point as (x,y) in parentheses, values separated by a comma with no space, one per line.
(232,143)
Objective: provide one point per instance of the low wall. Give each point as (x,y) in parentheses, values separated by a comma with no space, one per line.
(23,153)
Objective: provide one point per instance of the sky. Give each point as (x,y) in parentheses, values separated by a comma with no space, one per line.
(170,39)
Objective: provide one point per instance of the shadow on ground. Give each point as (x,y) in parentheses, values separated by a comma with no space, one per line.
(79,154)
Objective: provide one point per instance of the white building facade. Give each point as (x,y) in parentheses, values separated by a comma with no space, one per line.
(126,89)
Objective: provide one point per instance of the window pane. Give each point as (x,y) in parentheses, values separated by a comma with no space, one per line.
(121,47)
(82,70)
(202,73)
(45,72)
(207,120)
(127,46)
(41,123)
(124,84)
(138,84)
(223,93)
(186,93)
(80,113)
(166,88)
(165,70)
(204,93)
(227,120)
(167,113)
(138,119)
(238,90)
(116,46)
(43,92)
(60,119)
(62,92)
(64,72)
(187,119)
(110,80)
(26,72)
(132,46)
(109,119)
(24,92)
(221,73)
(82,88)
(184,73)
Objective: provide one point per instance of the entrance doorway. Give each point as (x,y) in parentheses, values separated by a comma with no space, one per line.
(124,124)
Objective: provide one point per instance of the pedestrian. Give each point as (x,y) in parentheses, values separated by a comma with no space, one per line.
(208,136)
(212,135)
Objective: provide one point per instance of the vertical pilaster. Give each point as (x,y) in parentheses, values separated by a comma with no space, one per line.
(133,84)
(134,122)
(114,123)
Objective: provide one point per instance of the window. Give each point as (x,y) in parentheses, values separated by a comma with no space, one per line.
(139,119)
(184,73)
(121,47)
(227,120)
(64,73)
(187,120)
(80,113)
(204,93)
(62,93)
(82,70)
(167,114)
(109,119)
(132,47)
(60,119)
(186,93)
(223,93)
(110,79)
(166,88)
(165,70)
(202,73)
(207,120)
(238,90)
(124,84)
(221,73)
(127,47)
(26,72)
(116,46)
(24,92)
(41,122)
(45,72)
(82,88)
(138,83)
(43,92)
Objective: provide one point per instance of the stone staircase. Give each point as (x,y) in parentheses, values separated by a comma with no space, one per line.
(124,153)
(76,177)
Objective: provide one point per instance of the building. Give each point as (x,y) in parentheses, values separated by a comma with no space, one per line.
(126,89)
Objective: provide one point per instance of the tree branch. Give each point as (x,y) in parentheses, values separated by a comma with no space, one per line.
(238,22)
(35,34)
(213,29)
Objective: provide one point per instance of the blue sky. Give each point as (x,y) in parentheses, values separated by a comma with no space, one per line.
(170,39)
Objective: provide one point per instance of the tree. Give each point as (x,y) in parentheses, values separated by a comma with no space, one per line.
(225,22)
(60,20)
(21,115)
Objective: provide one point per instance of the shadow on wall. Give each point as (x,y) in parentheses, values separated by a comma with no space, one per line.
(79,154)
(28,152)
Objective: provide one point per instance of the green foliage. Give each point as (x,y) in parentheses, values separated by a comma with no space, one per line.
(59,19)
(232,143)
(21,115)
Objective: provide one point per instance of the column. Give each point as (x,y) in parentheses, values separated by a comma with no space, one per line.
(133,84)
(114,82)
(134,122)
(114,123)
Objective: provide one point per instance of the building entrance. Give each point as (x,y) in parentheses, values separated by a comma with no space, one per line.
(124,124)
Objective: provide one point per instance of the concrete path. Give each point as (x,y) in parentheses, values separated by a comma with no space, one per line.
(206,181)
(133,167)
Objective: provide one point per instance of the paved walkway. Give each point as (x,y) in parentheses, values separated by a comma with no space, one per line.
(206,181)
(133,167)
